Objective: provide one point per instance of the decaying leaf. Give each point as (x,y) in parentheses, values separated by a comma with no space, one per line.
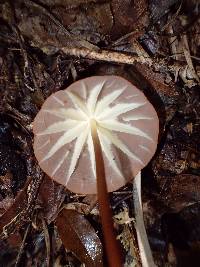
(51,196)
(79,237)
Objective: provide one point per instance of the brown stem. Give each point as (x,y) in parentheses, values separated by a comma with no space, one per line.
(112,247)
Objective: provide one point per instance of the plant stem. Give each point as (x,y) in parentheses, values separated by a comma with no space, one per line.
(143,243)
(112,247)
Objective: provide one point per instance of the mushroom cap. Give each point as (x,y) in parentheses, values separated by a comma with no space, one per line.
(127,127)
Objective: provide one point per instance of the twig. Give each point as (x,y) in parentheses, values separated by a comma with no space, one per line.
(171,21)
(28,71)
(186,51)
(106,55)
(162,65)
(47,242)
(122,58)
(143,243)
(184,30)
(121,40)
(22,246)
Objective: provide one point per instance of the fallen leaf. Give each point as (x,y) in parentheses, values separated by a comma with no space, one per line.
(79,237)
(51,195)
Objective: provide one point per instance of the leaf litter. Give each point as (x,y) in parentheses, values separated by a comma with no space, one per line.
(47,45)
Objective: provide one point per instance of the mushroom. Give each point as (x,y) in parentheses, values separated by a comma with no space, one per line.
(98,126)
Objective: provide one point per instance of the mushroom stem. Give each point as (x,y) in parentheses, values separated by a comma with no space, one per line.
(143,243)
(112,247)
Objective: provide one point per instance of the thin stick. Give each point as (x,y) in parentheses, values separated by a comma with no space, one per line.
(21,249)
(107,56)
(143,243)
(123,58)
(47,242)
(111,245)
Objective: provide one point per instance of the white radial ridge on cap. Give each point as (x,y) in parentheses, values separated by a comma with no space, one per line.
(74,124)
(115,111)
(79,103)
(66,113)
(114,125)
(119,144)
(66,138)
(60,162)
(45,144)
(145,148)
(84,89)
(136,118)
(58,127)
(107,100)
(58,100)
(81,139)
(92,99)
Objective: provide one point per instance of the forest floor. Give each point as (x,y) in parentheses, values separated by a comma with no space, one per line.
(44,47)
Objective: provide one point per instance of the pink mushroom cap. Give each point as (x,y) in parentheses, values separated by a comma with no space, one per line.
(127,126)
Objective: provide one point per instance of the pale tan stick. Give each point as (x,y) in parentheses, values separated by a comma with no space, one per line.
(143,243)
(122,58)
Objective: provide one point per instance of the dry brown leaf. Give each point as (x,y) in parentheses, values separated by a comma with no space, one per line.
(79,237)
